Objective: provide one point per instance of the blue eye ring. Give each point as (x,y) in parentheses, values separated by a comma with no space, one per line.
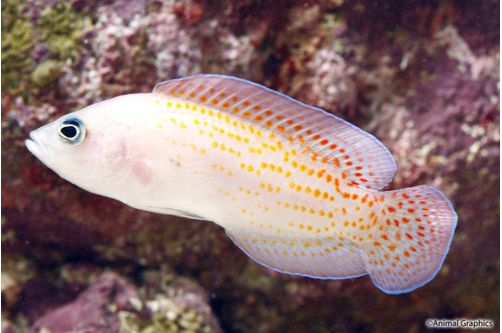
(72,131)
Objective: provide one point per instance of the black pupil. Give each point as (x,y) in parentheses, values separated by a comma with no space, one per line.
(69,131)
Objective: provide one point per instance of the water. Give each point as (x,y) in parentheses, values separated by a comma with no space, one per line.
(423,78)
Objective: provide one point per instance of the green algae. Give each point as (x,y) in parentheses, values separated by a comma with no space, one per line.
(18,40)
(58,30)
(46,73)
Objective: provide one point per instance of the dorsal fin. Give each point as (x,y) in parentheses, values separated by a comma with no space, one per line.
(356,154)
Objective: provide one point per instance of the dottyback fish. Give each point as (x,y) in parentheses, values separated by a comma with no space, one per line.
(296,188)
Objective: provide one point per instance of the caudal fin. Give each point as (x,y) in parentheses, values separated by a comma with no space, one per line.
(415,229)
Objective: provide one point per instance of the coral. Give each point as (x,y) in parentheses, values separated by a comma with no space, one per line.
(109,303)
(173,304)
(422,77)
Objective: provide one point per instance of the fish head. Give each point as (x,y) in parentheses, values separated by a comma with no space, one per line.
(94,148)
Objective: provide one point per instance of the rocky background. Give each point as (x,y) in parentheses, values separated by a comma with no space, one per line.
(423,76)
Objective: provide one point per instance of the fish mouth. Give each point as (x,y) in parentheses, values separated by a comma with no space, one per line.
(32,145)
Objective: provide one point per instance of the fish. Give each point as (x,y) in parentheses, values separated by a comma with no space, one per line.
(297,189)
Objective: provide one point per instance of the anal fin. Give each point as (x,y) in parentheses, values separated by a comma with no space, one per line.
(323,258)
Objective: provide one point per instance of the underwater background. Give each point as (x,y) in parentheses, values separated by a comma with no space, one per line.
(423,76)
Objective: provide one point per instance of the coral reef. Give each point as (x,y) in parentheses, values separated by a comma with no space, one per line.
(423,77)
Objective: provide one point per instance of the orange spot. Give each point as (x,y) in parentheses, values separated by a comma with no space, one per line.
(392,247)
(408,236)
(363,199)
(203,98)
(411,211)
(246,103)
(333,146)
(420,234)
(226,105)
(298,127)
(336,161)
(385,237)
(406,253)
(257,108)
(377,243)
(324,142)
(391,209)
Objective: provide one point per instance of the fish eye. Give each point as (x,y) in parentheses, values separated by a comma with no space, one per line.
(72,131)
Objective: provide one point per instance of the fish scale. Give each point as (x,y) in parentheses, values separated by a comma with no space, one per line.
(296,188)
(259,169)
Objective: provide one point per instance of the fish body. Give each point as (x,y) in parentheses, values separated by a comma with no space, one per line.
(295,188)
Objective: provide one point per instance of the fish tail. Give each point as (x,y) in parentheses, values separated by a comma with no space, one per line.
(414,230)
